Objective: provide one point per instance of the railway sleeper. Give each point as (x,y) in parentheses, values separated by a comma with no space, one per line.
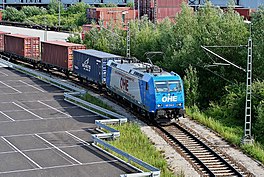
(206,157)
(193,143)
(215,165)
(224,171)
(193,149)
(210,161)
(203,153)
(216,169)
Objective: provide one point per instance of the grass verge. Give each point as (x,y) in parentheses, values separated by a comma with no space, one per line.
(231,134)
(136,143)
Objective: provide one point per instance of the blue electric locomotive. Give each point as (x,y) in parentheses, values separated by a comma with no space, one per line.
(160,94)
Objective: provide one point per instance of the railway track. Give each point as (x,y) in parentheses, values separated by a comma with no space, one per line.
(207,161)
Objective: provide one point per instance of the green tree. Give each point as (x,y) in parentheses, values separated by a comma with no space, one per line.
(31,11)
(53,7)
(191,86)
(12,14)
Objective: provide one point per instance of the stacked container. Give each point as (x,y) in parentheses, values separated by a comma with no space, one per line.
(59,54)
(118,15)
(87,28)
(163,8)
(2,40)
(23,46)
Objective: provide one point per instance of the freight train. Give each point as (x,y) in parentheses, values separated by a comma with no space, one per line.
(157,94)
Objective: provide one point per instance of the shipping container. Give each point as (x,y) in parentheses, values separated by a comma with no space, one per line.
(87,27)
(2,40)
(1,15)
(59,54)
(167,12)
(118,16)
(91,64)
(23,46)
(163,8)
(245,12)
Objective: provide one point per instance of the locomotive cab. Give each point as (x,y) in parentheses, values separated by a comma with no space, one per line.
(169,96)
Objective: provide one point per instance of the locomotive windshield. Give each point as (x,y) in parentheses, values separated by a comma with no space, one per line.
(168,86)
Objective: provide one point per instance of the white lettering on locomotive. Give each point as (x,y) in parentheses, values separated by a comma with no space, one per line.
(124,84)
(169,99)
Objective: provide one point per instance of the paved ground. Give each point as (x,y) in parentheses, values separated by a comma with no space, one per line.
(51,35)
(42,135)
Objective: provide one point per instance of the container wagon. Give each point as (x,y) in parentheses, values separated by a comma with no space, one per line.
(22,47)
(90,65)
(59,55)
(2,40)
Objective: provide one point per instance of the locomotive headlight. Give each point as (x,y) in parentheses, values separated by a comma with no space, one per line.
(179,104)
(160,105)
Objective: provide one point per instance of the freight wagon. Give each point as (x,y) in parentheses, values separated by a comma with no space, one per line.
(91,65)
(24,47)
(2,40)
(59,55)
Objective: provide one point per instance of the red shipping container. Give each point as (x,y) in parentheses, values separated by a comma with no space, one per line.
(59,53)
(22,45)
(1,15)
(168,12)
(2,40)
(245,12)
(169,3)
(87,28)
(118,15)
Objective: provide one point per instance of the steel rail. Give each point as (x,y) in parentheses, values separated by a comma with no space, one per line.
(207,148)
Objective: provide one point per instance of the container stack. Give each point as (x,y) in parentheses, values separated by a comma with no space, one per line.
(119,16)
(157,10)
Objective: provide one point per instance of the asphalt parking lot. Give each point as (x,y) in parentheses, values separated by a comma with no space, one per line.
(42,135)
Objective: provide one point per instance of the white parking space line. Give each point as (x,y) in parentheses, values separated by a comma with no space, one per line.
(3,73)
(54,108)
(31,86)
(7,116)
(30,101)
(41,149)
(77,138)
(52,118)
(46,133)
(78,162)
(10,87)
(27,110)
(15,148)
(40,109)
(59,166)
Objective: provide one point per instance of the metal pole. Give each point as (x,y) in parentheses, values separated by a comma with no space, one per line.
(138,10)
(134,10)
(128,41)
(247,139)
(59,13)
(46,32)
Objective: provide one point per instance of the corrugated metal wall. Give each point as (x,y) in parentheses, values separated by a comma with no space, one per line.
(65,2)
(223,3)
